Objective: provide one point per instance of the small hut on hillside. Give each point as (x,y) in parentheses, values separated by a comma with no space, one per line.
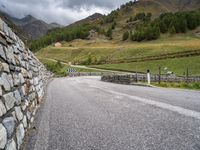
(58,44)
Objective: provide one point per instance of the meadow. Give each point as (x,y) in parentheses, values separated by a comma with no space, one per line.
(78,52)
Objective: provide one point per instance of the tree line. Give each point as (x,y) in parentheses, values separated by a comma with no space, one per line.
(62,34)
(172,23)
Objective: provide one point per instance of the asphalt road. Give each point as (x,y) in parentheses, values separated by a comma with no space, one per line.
(86,114)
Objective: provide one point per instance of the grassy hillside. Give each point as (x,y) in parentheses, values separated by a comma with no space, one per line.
(155,7)
(104,54)
(139,19)
(103,51)
(167,40)
(177,65)
(60,69)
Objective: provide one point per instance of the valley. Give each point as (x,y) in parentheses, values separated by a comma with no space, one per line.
(138,36)
(129,56)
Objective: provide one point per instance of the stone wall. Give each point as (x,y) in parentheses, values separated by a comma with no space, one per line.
(77,74)
(22,82)
(134,78)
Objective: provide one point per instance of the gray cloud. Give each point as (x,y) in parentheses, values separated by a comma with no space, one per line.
(60,11)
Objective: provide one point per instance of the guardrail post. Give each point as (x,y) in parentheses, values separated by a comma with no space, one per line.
(148,77)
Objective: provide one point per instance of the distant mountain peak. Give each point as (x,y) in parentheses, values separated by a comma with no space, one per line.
(90,18)
(55,25)
(28,19)
(95,16)
(28,27)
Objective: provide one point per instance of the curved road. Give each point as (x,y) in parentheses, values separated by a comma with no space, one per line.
(86,67)
(86,114)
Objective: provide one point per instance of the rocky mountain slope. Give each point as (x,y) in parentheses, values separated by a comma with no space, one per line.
(155,7)
(89,19)
(29,27)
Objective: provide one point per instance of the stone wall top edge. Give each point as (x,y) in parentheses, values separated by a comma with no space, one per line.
(8,35)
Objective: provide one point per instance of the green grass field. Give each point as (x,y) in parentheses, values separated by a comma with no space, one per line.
(79,50)
(177,65)
(60,69)
(191,86)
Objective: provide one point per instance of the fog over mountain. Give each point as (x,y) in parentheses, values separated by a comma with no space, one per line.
(61,11)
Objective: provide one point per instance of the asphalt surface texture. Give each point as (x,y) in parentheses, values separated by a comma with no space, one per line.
(84,113)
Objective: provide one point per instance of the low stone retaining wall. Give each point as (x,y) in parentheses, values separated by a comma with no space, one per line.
(134,78)
(22,82)
(76,74)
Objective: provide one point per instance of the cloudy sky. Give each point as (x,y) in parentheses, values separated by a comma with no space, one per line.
(60,11)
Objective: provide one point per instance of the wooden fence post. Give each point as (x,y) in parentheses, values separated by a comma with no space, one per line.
(187,75)
(159,75)
(136,77)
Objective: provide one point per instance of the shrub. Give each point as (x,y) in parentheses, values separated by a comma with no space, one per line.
(125,36)
(56,67)
(89,60)
(109,33)
(146,33)
(144,17)
(172,30)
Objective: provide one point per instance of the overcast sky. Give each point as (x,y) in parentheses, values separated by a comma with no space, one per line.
(60,11)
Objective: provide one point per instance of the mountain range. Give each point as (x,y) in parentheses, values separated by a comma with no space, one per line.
(29,27)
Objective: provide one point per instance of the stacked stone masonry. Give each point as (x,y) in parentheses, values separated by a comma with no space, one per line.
(134,78)
(22,82)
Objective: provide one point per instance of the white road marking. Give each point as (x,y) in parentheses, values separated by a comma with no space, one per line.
(177,109)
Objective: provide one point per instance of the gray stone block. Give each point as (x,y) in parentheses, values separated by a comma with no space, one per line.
(5,67)
(4,81)
(21,78)
(18,113)
(1,92)
(28,115)
(24,73)
(9,100)
(9,124)
(1,24)
(17,97)
(2,109)
(23,91)
(2,53)
(20,133)
(25,121)
(10,55)
(16,79)
(11,145)
(3,137)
